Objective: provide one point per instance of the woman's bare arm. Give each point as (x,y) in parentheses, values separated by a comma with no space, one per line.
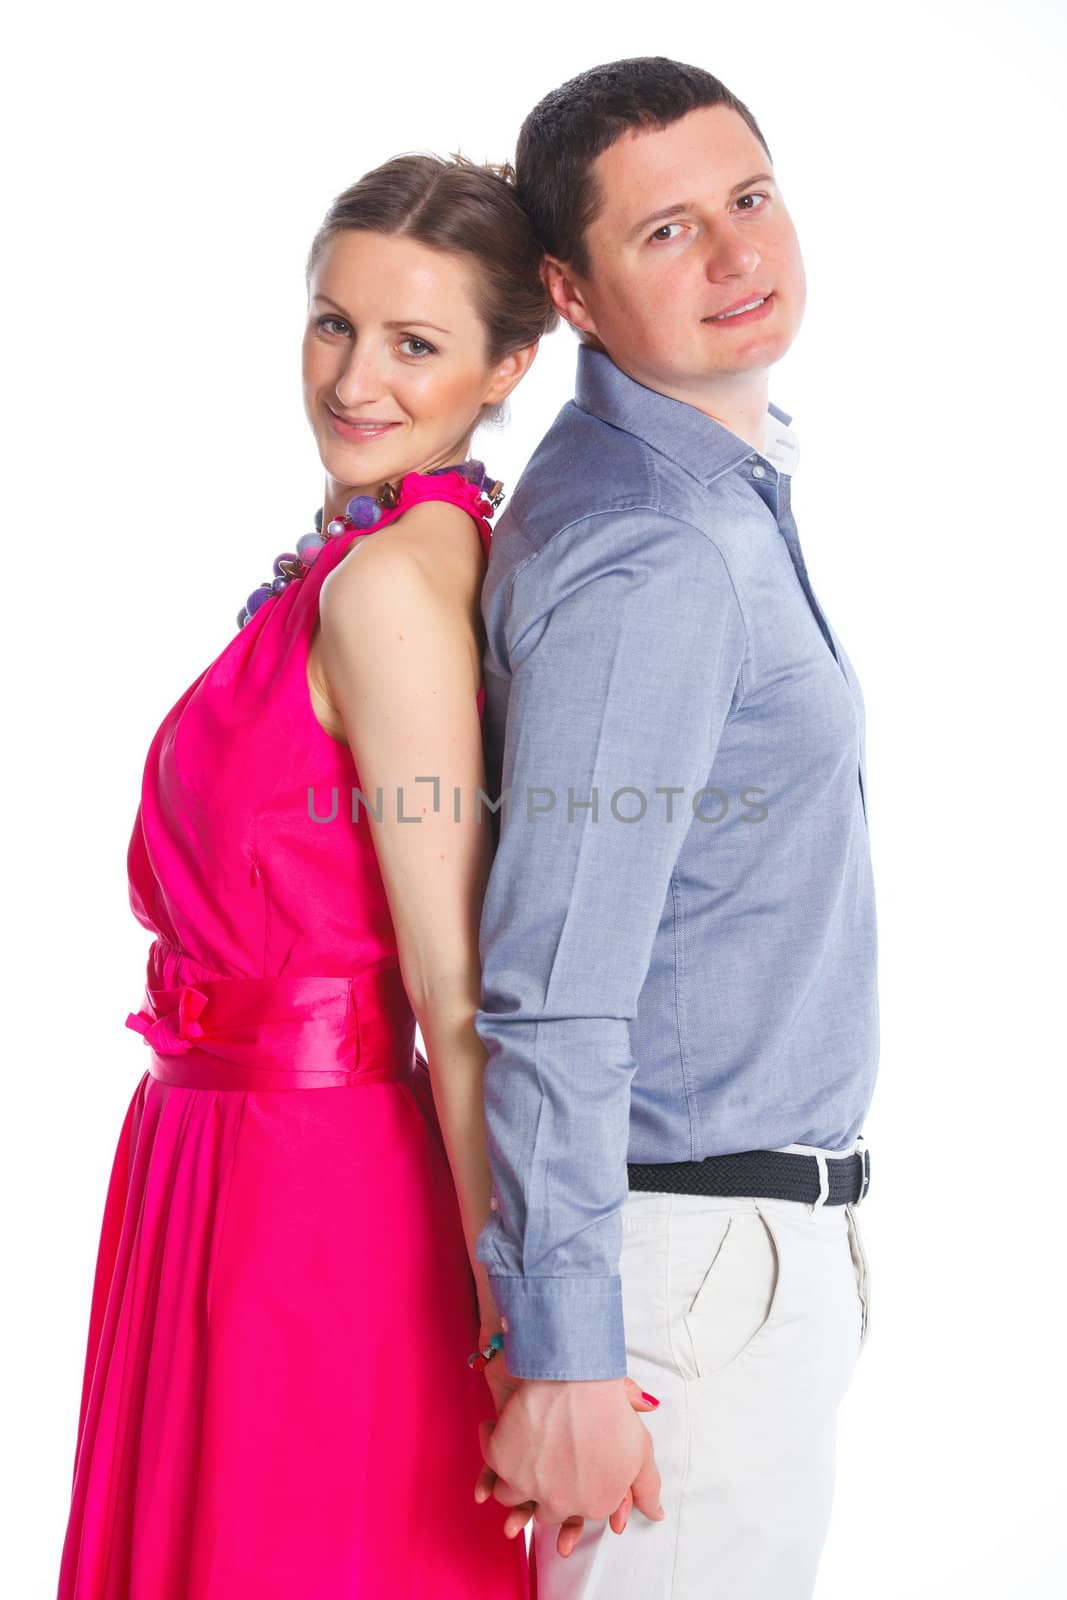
(400,649)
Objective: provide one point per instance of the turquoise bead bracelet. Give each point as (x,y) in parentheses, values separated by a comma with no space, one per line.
(482,1358)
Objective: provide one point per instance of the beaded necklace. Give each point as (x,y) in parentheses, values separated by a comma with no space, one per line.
(361,512)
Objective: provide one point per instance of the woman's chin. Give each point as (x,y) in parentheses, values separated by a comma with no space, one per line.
(361,464)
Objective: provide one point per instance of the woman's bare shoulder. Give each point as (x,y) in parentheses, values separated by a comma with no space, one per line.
(435,541)
(438,525)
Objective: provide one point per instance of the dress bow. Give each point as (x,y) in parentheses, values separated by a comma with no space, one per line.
(169,1021)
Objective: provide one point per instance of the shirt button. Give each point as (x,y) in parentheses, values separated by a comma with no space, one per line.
(758,472)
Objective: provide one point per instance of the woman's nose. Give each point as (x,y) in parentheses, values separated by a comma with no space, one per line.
(360,380)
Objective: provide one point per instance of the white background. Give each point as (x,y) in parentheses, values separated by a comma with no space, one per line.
(166,169)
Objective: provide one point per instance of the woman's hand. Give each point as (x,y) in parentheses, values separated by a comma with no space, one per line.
(502,1386)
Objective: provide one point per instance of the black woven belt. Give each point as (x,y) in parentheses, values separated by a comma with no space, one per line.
(772,1174)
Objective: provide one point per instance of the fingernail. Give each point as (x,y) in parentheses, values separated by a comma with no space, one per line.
(650,1398)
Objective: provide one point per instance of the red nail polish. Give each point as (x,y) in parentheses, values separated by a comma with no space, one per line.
(650,1398)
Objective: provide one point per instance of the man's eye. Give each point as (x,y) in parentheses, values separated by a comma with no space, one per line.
(660,232)
(427,349)
(753,197)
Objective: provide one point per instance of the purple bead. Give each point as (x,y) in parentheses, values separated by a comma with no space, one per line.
(281,582)
(336,527)
(473,471)
(308,547)
(256,599)
(364,511)
(286,555)
(242,617)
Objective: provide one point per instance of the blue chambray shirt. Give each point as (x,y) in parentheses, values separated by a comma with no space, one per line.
(678,941)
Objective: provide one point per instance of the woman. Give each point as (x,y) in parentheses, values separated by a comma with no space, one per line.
(276,1398)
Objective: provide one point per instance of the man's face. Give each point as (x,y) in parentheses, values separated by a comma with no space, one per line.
(687,230)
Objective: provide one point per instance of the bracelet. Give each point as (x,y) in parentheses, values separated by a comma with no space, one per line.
(481,1358)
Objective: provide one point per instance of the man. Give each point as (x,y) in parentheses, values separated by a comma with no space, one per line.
(679,996)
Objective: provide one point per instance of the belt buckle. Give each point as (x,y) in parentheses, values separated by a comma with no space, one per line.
(865,1168)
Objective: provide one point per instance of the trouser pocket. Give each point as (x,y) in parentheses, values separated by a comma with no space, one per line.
(728,1276)
(862,1268)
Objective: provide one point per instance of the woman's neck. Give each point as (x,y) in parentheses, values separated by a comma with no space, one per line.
(337,495)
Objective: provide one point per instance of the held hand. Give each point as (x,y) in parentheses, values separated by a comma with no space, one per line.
(645,1487)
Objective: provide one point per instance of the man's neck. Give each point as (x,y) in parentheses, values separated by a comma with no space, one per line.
(741,407)
(747,426)
(739,403)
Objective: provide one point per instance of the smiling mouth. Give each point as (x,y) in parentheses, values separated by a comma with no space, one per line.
(752,311)
(365,428)
(360,422)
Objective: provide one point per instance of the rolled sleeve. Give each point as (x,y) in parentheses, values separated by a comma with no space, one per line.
(624,643)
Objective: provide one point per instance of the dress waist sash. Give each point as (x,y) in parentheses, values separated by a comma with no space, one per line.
(280,1033)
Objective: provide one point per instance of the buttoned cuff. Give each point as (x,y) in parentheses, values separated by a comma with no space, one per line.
(562,1327)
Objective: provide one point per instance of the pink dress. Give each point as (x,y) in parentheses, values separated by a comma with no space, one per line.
(277,1403)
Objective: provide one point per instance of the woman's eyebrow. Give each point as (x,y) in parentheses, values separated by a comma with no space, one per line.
(416,322)
(409,322)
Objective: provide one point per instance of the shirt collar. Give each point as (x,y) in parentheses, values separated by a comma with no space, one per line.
(697,443)
(781,447)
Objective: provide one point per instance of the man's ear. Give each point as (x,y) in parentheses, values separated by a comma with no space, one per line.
(566,290)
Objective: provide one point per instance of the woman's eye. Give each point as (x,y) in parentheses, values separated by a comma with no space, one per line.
(340,324)
(427,349)
(661,232)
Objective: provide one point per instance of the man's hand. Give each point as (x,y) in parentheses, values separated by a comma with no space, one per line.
(502,1386)
(566,1450)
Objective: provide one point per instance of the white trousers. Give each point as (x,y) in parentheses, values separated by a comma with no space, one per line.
(745,1317)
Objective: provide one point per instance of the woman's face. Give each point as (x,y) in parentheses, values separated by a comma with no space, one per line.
(394,359)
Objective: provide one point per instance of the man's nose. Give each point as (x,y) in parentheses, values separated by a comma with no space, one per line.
(730,255)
